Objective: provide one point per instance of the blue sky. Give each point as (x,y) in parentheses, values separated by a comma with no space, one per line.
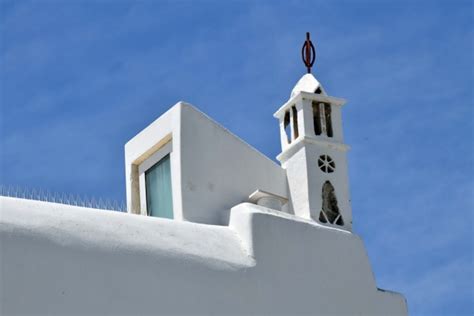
(80,78)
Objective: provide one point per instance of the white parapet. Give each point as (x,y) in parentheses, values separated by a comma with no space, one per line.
(64,260)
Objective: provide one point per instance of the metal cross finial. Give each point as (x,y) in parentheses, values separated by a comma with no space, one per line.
(308,53)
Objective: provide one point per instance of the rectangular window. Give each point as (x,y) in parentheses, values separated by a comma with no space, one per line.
(327,112)
(159,201)
(316,119)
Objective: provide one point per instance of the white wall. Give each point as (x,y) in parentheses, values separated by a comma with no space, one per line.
(142,146)
(211,169)
(219,170)
(63,260)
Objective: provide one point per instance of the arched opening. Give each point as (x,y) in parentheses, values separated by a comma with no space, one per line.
(327,113)
(322,119)
(286,126)
(317,119)
(294,113)
(330,210)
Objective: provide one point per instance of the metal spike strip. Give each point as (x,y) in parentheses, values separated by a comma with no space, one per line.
(61,198)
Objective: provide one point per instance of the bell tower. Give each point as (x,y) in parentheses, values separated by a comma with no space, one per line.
(313,150)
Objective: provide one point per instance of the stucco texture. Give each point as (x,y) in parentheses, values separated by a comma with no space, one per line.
(66,260)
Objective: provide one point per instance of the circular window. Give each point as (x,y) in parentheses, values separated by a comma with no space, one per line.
(326,164)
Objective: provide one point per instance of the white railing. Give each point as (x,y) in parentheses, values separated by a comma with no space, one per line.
(62,198)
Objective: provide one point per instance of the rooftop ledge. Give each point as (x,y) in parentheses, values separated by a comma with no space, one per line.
(308,96)
(130,264)
(216,247)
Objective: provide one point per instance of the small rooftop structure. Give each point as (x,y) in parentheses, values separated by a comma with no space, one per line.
(209,171)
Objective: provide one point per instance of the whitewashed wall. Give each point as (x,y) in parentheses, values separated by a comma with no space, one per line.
(219,170)
(211,169)
(64,260)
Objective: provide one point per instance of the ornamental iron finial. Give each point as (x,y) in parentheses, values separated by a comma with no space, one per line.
(308,53)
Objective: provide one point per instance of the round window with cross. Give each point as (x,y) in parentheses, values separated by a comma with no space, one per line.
(326,164)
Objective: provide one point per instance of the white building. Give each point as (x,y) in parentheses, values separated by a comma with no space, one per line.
(221,230)
(203,170)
